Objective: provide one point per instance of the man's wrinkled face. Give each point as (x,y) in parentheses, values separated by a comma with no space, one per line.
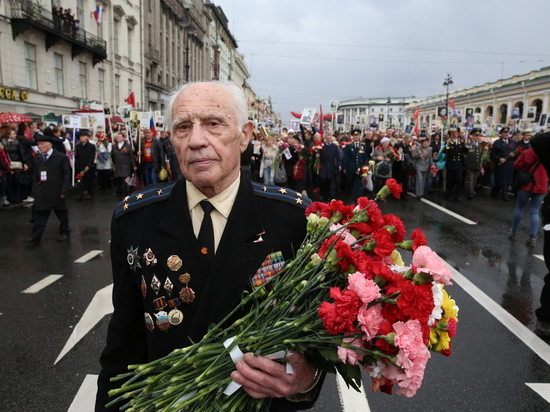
(44,147)
(206,136)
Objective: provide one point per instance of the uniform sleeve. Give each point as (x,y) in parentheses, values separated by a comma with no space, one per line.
(126,338)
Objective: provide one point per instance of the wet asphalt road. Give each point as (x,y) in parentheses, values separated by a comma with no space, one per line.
(488,370)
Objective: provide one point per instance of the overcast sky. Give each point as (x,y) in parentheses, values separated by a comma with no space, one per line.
(304,53)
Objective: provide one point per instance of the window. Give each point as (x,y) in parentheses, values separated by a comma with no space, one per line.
(116,26)
(130,33)
(101,84)
(80,13)
(30,65)
(82,78)
(117,88)
(58,73)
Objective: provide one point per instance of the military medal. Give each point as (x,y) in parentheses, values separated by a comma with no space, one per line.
(175,316)
(187,295)
(174,263)
(162,321)
(143,287)
(149,257)
(133,258)
(160,303)
(168,286)
(149,322)
(155,284)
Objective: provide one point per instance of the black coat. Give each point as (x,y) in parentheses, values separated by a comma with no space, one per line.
(159,220)
(354,157)
(330,160)
(84,155)
(123,160)
(504,173)
(456,153)
(47,193)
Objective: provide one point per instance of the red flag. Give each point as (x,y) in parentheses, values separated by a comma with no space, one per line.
(321,132)
(131,100)
(452,103)
(416,115)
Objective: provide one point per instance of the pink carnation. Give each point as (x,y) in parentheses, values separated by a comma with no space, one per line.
(366,289)
(345,234)
(350,356)
(412,356)
(370,320)
(426,260)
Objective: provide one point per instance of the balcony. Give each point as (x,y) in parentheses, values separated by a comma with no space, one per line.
(26,15)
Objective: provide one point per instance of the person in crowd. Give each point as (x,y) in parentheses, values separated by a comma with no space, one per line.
(84,166)
(541,146)
(55,134)
(422,158)
(455,151)
(330,165)
(5,173)
(524,142)
(152,157)
(53,178)
(25,177)
(403,164)
(532,192)
(269,154)
(124,164)
(16,157)
(355,157)
(171,158)
(37,129)
(503,155)
(435,143)
(474,162)
(384,156)
(210,132)
(104,164)
(294,150)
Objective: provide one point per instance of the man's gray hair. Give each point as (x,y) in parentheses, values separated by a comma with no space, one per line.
(239,98)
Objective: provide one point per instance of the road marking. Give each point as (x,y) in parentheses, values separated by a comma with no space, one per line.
(537,345)
(449,212)
(84,401)
(100,306)
(350,399)
(88,256)
(541,257)
(543,389)
(37,287)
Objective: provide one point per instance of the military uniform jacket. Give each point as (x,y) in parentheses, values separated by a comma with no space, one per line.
(455,155)
(354,157)
(264,219)
(474,157)
(57,172)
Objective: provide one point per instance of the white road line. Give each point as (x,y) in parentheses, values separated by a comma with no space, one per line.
(541,257)
(100,306)
(536,344)
(37,287)
(449,212)
(84,401)
(543,389)
(88,256)
(350,399)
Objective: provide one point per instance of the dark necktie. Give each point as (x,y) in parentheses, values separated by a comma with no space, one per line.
(206,234)
(45,157)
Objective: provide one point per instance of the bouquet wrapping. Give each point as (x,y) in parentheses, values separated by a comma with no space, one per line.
(347,301)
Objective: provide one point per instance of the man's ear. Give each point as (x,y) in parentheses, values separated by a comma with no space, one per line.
(246,135)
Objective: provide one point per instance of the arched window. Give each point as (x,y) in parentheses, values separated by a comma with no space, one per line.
(489,111)
(538,104)
(503,111)
(477,110)
(519,105)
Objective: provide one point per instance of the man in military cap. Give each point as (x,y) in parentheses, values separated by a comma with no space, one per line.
(503,156)
(354,158)
(162,255)
(52,177)
(474,161)
(455,149)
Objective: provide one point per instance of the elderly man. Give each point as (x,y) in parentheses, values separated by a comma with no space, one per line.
(196,243)
(52,177)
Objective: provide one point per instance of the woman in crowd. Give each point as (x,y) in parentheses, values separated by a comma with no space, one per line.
(422,157)
(384,156)
(533,192)
(25,178)
(5,173)
(124,163)
(103,163)
(269,154)
(15,154)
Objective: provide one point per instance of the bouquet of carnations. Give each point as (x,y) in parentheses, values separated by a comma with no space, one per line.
(346,301)
(281,147)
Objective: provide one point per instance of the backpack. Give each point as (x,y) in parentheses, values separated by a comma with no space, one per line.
(383,169)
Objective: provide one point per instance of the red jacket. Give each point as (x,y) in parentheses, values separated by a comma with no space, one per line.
(525,162)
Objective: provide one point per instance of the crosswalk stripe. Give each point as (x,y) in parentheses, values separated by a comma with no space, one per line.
(450,212)
(38,286)
(88,256)
(350,399)
(84,401)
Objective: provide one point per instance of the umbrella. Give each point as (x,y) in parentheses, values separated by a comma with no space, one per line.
(14,118)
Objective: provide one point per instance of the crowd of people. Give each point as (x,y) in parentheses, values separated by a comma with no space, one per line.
(459,165)
(65,21)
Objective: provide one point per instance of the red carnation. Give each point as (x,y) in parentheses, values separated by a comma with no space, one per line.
(384,244)
(399,233)
(340,317)
(395,188)
(418,238)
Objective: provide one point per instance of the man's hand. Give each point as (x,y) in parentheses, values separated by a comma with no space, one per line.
(261,377)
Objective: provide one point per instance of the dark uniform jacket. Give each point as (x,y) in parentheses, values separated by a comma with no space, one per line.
(157,218)
(330,160)
(455,155)
(354,157)
(504,172)
(474,157)
(84,156)
(57,172)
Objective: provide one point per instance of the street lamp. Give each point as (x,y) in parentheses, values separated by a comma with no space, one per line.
(448,82)
(388,122)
